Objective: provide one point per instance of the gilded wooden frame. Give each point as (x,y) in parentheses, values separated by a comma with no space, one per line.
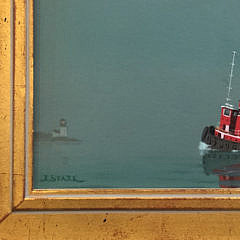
(26,213)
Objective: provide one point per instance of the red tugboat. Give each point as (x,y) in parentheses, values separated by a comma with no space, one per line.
(226,136)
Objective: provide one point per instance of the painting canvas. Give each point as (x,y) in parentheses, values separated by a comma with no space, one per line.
(136,94)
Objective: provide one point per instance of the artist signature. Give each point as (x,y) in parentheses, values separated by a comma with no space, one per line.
(60,178)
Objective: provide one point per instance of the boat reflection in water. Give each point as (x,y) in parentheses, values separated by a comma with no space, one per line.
(226,165)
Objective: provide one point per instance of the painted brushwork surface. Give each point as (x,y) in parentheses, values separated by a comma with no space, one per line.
(123,90)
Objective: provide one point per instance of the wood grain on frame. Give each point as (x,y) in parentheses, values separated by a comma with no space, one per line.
(5,116)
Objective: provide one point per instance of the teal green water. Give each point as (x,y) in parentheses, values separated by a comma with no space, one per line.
(137,81)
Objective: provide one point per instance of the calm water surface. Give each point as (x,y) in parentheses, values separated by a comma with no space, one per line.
(137,81)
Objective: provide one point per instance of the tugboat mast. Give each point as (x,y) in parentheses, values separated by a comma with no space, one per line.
(228,99)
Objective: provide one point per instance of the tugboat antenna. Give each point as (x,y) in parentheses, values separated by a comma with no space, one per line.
(228,99)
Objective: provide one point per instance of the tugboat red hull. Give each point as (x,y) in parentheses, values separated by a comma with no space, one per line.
(215,142)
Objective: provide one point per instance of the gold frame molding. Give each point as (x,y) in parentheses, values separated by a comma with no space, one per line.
(27,213)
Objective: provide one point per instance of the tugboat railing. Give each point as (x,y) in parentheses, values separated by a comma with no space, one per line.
(231,131)
(237,132)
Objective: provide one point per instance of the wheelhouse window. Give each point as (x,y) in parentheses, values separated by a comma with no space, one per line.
(235,113)
(226,112)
